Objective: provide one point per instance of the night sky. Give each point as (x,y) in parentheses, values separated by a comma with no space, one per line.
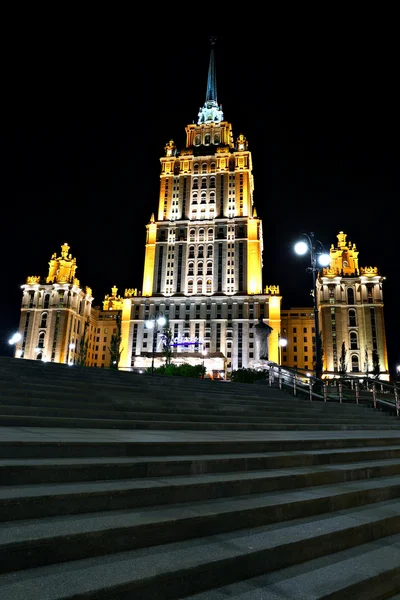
(87,124)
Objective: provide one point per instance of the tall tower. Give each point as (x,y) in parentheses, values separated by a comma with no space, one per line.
(351,312)
(203,254)
(207,237)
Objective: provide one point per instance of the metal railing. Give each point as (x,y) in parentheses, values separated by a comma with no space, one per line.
(368,392)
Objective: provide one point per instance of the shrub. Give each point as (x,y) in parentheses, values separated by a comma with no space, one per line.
(193,371)
(248,375)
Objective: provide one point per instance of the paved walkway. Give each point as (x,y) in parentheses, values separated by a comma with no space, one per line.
(58,434)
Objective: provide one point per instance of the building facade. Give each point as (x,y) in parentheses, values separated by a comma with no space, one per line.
(203,274)
(351,313)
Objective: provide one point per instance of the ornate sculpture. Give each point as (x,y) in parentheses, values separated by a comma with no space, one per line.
(33,279)
(262,332)
(272,289)
(129,292)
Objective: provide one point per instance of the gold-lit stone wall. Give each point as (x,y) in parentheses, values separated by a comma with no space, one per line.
(351,308)
(298,328)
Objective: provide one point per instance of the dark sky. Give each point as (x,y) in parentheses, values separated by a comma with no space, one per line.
(88,116)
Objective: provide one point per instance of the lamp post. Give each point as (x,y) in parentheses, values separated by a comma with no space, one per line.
(153,323)
(316,250)
(282,342)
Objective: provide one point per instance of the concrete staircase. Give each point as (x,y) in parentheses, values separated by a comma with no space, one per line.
(121,486)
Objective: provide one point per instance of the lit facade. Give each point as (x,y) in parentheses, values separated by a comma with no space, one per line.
(203,254)
(298,328)
(351,306)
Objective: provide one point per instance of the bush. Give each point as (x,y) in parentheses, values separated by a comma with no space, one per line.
(248,375)
(193,371)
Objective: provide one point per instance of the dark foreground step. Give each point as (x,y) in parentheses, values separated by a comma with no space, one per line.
(154,448)
(178,569)
(41,500)
(33,543)
(294,416)
(70,422)
(64,470)
(368,572)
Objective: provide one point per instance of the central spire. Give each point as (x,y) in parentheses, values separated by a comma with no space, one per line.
(211,112)
(212,79)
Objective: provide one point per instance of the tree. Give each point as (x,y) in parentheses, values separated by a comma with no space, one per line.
(343,361)
(115,344)
(376,367)
(166,341)
(366,362)
(83,346)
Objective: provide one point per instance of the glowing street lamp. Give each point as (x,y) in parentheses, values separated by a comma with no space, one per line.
(282,342)
(318,257)
(157,320)
(15,338)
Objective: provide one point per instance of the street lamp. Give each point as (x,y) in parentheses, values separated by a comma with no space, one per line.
(155,320)
(317,254)
(282,342)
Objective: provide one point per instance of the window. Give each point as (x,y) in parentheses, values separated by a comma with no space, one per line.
(354,363)
(350,295)
(353,340)
(199,286)
(352,318)
(43,323)
(210,236)
(46,301)
(201,235)
(41,339)
(209,286)
(190,286)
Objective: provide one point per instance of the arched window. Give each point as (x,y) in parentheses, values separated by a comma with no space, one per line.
(201,235)
(196,168)
(204,168)
(354,364)
(39,356)
(350,295)
(190,268)
(199,287)
(211,234)
(212,197)
(46,301)
(353,340)
(203,197)
(197,140)
(195,183)
(43,323)
(212,167)
(191,251)
(352,318)
(192,233)
(209,286)
(41,340)
(200,268)
(207,139)
(195,198)
(204,183)
(209,268)
(209,249)
(200,252)
(212,182)
(190,286)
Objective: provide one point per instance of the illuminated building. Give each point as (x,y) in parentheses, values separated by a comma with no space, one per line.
(298,328)
(202,268)
(351,311)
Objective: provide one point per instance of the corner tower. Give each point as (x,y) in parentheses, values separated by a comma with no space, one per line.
(351,305)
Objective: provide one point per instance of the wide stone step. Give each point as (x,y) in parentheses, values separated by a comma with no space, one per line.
(150,405)
(67,447)
(269,417)
(69,422)
(370,571)
(67,470)
(33,543)
(40,500)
